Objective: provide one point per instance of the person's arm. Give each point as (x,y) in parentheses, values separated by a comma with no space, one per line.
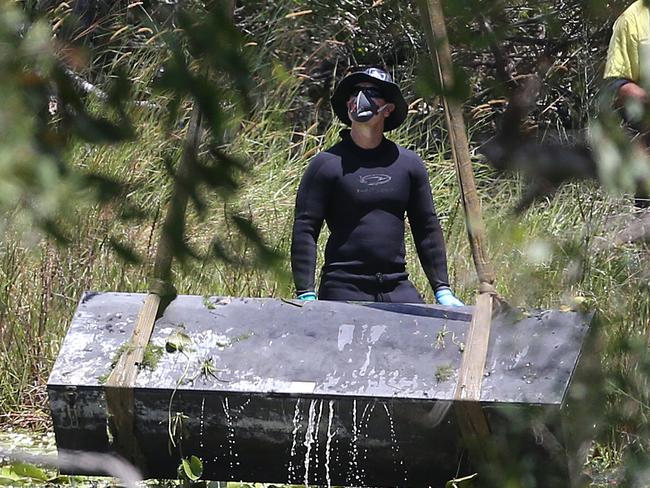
(627,89)
(311,204)
(428,237)
(427,233)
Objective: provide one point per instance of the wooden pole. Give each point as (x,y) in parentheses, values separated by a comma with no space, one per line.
(120,383)
(441,54)
(472,421)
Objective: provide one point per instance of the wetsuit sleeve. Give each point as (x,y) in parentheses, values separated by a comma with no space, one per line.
(311,203)
(426,229)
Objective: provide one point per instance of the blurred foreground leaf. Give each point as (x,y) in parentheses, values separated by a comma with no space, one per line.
(29,471)
(192,467)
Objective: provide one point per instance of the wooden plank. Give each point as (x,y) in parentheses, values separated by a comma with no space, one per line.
(470,377)
(120,383)
(126,370)
(472,422)
(471,419)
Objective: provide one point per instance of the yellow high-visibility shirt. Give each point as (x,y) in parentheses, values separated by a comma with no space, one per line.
(630,30)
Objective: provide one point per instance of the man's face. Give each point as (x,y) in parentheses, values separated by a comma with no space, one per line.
(372,92)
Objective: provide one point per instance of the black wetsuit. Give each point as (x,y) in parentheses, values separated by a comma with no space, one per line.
(363,195)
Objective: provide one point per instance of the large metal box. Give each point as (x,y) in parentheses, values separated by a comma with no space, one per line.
(325,393)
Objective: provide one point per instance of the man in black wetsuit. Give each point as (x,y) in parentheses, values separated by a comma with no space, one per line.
(362,187)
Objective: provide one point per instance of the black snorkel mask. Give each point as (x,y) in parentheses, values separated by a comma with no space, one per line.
(365,106)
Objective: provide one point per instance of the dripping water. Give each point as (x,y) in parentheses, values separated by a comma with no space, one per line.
(202,423)
(294,443)
(394,445)
(365,432)
(328,445)
(354,454)
(316,432)
(336,450)
(243,406)
(232,454)
(309,438)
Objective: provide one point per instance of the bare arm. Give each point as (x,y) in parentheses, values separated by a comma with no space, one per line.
(632,90)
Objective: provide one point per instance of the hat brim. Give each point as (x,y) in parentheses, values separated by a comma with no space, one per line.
(391,91)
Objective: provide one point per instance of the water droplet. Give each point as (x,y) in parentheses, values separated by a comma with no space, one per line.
(398,462)
(230,434)
(309,438)
(201,423)
(353,474)
(328,445)
(296,427)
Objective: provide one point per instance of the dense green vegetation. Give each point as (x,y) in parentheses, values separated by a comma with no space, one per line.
(60,236)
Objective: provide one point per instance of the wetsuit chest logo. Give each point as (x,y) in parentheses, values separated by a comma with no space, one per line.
(374,180)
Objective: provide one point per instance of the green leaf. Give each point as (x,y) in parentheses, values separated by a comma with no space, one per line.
(266,255)
(177,341)
(53,229)
(193,468)
(124,251)
(8,477)
(460,482)
(26,470)
(100,130)
(106,188)
(66,480)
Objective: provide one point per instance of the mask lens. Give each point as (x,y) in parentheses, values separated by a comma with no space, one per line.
(368,91)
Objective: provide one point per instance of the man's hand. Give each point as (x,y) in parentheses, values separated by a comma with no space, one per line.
(308,295)
(446,297)
(632,90)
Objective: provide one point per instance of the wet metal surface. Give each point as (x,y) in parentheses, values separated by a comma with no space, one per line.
(274,346)
(324,392)
(324,348)
(531,359)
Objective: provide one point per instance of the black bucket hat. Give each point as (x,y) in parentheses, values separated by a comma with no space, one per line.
(383,81)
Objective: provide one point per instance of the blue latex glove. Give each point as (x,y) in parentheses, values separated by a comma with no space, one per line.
(446,297)
(308,295)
